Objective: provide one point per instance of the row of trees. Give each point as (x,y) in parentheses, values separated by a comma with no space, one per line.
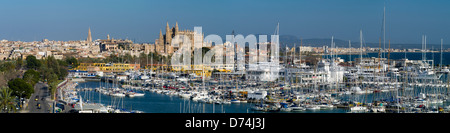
(11,74)
(127,58)
(18,77)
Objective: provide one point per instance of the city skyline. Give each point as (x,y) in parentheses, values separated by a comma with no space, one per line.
(229,56)
(141,21)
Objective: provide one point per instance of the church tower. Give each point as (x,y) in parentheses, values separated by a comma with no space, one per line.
(168,34)
(160,39)
(176,28)
(89,38)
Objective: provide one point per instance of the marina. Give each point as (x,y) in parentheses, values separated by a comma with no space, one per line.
(226,66)
(368,84)
(327,84)
(282,83)
(170,96)
(163,102)
(172,76)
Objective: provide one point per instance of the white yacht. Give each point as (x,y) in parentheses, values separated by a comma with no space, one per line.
(312,107)
(185,95)
(358,109)
(297,109)
(117,94)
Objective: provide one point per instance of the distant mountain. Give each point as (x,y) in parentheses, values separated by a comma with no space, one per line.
(290,40)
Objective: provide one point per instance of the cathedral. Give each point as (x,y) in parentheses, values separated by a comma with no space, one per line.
(164,42)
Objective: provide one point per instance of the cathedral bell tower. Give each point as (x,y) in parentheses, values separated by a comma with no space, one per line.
(89,38)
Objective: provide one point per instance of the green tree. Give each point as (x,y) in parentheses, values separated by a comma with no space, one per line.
(63,63)
(55,65)
(63,72)
(156,57)
(52,87)
(18,86)
(127,58)
(46,72)
(31,76)
(143,59)
(7,101)
(7,66)
(19,63)
(32,62)
(8,72)
(52,78)
(72,61)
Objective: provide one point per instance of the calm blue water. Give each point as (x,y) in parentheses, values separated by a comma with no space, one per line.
(160,103)
(401,55)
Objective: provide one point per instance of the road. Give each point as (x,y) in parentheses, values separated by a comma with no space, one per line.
(41,90)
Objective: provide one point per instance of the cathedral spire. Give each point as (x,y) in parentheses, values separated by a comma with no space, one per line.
(161,39)
(176,28)
(169,33)
(167,28)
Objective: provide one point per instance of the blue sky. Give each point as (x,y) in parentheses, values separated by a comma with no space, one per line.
(141,20)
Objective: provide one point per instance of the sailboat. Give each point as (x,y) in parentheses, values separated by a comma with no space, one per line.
(357,107)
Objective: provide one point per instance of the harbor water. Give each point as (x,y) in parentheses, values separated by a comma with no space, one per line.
(401,55)
(153,102)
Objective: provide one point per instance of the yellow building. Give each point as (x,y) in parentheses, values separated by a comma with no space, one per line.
(198,70)
(158,67)
(107,67)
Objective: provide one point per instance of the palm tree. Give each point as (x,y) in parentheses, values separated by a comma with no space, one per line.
(7,101)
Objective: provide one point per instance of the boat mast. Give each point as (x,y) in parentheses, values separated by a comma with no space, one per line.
(360,61)
(379,56)
(384,27)
(99,94)
(331,51)
(331,58)
(361,51)
(293,58)
(448,83)
(360,40)
(285,65)
(440,63)
(424,48)
(349,55)
(389,55)
(406,77)
(432,57)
